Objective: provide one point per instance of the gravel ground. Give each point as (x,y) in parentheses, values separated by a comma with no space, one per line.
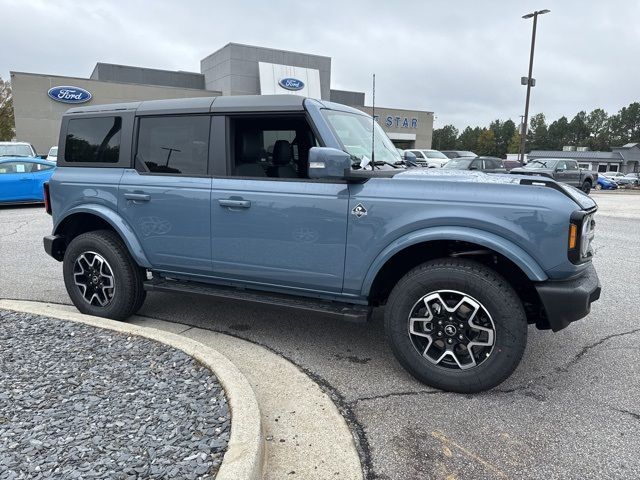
(81,402)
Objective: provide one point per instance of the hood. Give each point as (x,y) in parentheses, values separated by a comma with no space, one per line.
(472,176)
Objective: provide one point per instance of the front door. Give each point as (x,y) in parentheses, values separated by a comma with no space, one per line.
(166,199)
(271,225)
(16,181)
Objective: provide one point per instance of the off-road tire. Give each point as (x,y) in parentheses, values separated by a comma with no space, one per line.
(487,287)
(586,187)
(129,294)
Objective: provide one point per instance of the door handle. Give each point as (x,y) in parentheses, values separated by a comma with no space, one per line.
(229,202)
(137,197)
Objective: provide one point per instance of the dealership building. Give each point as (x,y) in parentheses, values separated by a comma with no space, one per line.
(41,99)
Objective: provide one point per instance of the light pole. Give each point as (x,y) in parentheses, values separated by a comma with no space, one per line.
(529,81)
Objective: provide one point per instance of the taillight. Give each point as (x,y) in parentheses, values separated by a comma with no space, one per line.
(47,198)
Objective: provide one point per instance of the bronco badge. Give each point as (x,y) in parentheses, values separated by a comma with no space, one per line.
(359,210)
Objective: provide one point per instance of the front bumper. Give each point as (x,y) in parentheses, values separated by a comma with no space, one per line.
(569,300)
(55,245)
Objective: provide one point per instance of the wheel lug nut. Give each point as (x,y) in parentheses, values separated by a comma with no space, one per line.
(450,318)
(449,341)
(440,322)
(439,334)
(460,337)
(461,325)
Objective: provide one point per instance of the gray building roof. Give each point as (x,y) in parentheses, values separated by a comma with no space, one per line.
(609,157)
(109,72)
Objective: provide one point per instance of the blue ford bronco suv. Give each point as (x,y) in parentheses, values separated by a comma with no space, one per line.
(280,200)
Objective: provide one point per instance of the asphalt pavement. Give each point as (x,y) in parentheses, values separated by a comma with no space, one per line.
(571,410)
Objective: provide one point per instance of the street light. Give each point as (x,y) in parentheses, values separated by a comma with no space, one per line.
(529,81)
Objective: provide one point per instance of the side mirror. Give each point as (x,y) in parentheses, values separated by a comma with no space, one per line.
(410,159)
(559,170)
(325,162)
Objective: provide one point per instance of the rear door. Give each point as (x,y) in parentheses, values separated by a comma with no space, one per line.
(271,224)
(166,197)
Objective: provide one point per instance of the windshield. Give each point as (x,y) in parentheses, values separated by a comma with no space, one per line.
(541,164)
(458,164)
(17,150)
(434,154)
(354,132)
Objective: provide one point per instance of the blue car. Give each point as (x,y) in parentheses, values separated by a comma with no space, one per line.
(605,183)
(21,179)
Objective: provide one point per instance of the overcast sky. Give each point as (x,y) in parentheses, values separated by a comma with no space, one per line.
(461,59)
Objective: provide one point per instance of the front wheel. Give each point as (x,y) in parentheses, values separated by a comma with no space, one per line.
(456,325)
(101,277)
(586,187)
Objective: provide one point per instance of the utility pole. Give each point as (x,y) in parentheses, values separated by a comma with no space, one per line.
(529,81)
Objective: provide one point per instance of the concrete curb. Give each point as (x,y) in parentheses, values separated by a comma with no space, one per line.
(245,452)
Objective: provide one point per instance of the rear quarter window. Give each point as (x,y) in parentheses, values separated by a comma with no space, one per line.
(93,140)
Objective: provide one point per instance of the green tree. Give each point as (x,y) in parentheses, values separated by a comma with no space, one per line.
(468,139)
(514,143)
(625,126)
(486,142)
(445,138)
(537,136)
(578,130)
(558,135)
(598,124)
(7,122)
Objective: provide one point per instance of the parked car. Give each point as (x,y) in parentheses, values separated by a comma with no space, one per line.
(511,164)
(429,158)
(630,179)
(462,261)
(22,179)
(16,149)
(483,164)
(562,170)
(53,154)
(458,153)
(613,175)
(605,183)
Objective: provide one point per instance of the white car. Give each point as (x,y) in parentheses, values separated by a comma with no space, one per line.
(429,158)
(16,149)
(52,156)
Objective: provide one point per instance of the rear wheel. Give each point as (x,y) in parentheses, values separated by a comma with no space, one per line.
(101,277)
(586,187)
(456,325)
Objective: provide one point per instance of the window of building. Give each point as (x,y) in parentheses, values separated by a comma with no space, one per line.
(93,140)
(271,146)
(177,145)
(613,168)
(602,168)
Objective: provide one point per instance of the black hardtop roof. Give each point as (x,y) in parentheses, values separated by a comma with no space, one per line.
(214,104)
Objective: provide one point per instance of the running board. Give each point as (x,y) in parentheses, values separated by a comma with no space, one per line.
(347,311)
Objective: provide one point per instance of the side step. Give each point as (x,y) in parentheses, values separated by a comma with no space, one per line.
(347,311)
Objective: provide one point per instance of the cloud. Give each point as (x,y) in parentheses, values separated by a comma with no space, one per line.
(462,60)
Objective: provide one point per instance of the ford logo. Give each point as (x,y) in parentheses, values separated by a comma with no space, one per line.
(66,94)
(291,84)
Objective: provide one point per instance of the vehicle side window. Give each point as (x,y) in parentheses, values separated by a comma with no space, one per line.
(271,146)
(561,165)
(177,145)
(39,167)
(417,153)
(16,167)
(572,165)
(93,140)
(476,165)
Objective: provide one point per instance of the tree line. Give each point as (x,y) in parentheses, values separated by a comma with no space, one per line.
(7,124)
(596,130)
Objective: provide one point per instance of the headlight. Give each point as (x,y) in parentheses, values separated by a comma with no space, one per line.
(581,233)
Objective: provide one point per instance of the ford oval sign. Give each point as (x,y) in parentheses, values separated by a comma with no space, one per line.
(68,94)
(291,84)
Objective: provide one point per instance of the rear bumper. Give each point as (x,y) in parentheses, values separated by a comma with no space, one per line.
(55,245)
(569,300)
